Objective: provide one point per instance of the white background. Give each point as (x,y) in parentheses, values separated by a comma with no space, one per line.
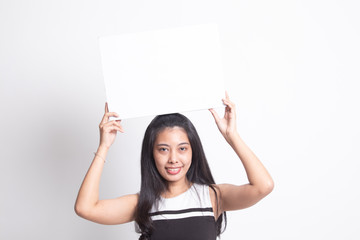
(291,67)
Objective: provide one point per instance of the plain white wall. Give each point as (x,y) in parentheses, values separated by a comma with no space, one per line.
(292,68)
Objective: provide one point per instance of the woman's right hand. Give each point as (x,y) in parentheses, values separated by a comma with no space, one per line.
(88,205)
(108,129)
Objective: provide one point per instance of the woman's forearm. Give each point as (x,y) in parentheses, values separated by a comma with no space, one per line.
(257,174)
(88,194)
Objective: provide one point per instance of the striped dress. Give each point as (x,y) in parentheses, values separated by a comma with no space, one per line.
(188,216)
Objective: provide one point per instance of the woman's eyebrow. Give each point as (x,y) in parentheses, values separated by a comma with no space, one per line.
(167,145)
(163,144)
(184,143)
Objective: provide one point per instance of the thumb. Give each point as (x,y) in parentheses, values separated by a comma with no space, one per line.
(215,115)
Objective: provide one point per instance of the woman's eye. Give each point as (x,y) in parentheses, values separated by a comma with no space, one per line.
(162,149)
(182,149)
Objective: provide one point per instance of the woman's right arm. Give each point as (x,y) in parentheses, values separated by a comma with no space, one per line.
(108,211)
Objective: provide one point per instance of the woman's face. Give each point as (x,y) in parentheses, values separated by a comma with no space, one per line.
(172,154)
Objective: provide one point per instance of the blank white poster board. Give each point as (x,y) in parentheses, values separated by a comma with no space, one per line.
(163,71)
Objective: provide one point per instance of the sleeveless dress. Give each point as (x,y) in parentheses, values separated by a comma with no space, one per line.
(188,216)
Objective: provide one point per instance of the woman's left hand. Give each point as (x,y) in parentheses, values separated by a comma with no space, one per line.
(227,124)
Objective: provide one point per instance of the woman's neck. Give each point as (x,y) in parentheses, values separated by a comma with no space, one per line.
(176,188)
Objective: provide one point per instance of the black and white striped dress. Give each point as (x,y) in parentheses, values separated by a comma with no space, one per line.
(188,216)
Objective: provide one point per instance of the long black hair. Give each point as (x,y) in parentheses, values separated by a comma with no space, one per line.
(153,184)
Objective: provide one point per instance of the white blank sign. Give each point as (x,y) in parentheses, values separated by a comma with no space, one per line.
(163,71)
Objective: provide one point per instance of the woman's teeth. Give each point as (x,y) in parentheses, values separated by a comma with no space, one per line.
(173,170)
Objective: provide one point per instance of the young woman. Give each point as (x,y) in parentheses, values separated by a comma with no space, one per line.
(178,198)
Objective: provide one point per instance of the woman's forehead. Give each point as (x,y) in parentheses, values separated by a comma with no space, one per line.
(172,134)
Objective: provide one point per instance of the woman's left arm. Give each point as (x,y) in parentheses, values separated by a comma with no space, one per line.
(260,184)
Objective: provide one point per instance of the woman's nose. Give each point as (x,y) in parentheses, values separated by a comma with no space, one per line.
(172,157)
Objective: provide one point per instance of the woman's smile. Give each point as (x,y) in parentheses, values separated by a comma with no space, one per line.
(173,170)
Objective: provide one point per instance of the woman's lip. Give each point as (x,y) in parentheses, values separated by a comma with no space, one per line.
(173,170)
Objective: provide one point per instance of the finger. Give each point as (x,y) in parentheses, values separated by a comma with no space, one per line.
(117,123)
(230,109)
(114,128)
(118,127)
(112,114)
(111,123)
(227,95)
(105,119)
(215,115)
(226,102)
(229,103)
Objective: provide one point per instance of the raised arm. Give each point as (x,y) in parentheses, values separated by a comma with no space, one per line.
(234,197)
(109,211)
